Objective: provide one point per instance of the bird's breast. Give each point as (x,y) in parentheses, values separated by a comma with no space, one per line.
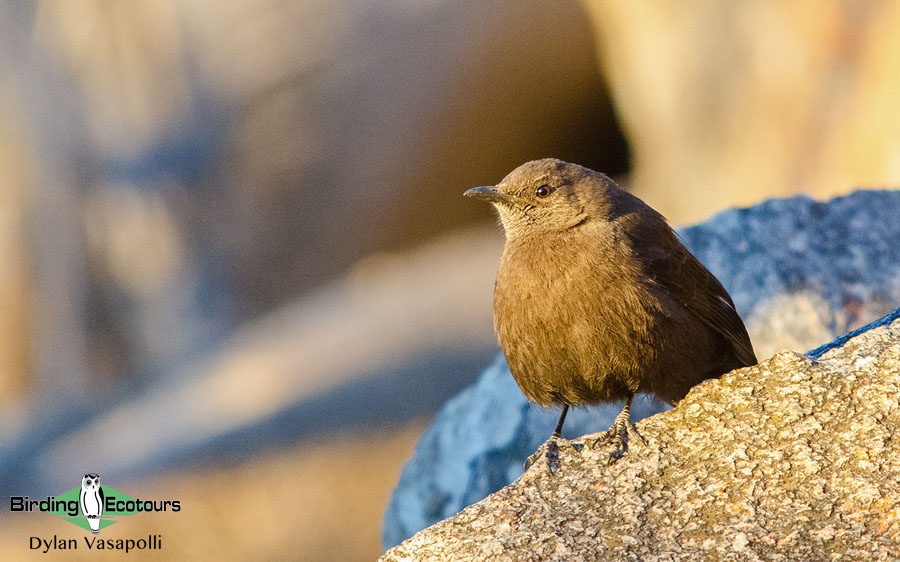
(563,320)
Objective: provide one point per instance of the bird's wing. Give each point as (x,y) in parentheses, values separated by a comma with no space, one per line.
(669,264)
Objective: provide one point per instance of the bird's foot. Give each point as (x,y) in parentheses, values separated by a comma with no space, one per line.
(619,433)
(550,450)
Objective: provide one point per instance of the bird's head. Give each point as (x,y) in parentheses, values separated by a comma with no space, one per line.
(545,196)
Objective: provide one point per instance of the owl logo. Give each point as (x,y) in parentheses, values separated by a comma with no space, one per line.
(92,500)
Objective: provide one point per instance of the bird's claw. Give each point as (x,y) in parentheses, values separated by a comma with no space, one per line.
(618,434)
(550,450)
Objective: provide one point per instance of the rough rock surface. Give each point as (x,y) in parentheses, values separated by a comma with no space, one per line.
(793,459)
(801,272)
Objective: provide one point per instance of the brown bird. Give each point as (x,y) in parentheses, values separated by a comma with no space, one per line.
(596,298)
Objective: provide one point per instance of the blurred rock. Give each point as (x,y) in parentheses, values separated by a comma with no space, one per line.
(356,134)
(237,155)
(16,275)
(40,207)
(128,65)
(388,343)
(797,269)
(789,459)
(728,103)
(310,134)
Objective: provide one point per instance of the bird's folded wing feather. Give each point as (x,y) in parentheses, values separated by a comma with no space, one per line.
(693,287)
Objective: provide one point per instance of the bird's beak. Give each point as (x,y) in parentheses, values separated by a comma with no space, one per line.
(489,193)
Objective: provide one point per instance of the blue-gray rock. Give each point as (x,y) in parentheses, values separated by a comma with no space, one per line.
(842,257)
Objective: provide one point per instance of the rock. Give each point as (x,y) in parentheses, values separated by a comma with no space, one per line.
(381,346)
(477,444)
(797,265)
(801,272)
(791,459)
(350,132)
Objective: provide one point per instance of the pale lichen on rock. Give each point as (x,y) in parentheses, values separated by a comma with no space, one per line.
(792,459)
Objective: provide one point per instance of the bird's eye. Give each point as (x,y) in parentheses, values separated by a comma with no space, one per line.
(543,191)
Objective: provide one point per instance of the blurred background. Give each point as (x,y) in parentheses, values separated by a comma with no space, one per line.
(236,268)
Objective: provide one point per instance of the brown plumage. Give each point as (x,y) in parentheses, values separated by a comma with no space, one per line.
(596,298)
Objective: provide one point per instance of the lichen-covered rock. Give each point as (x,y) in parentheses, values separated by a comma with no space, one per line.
(793,459)
(478,444)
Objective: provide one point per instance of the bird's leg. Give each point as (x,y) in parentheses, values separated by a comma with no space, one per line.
(619,432)
(562,419)
(550,448)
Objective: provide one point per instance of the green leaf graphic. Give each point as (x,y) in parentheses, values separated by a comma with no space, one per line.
(83,522)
